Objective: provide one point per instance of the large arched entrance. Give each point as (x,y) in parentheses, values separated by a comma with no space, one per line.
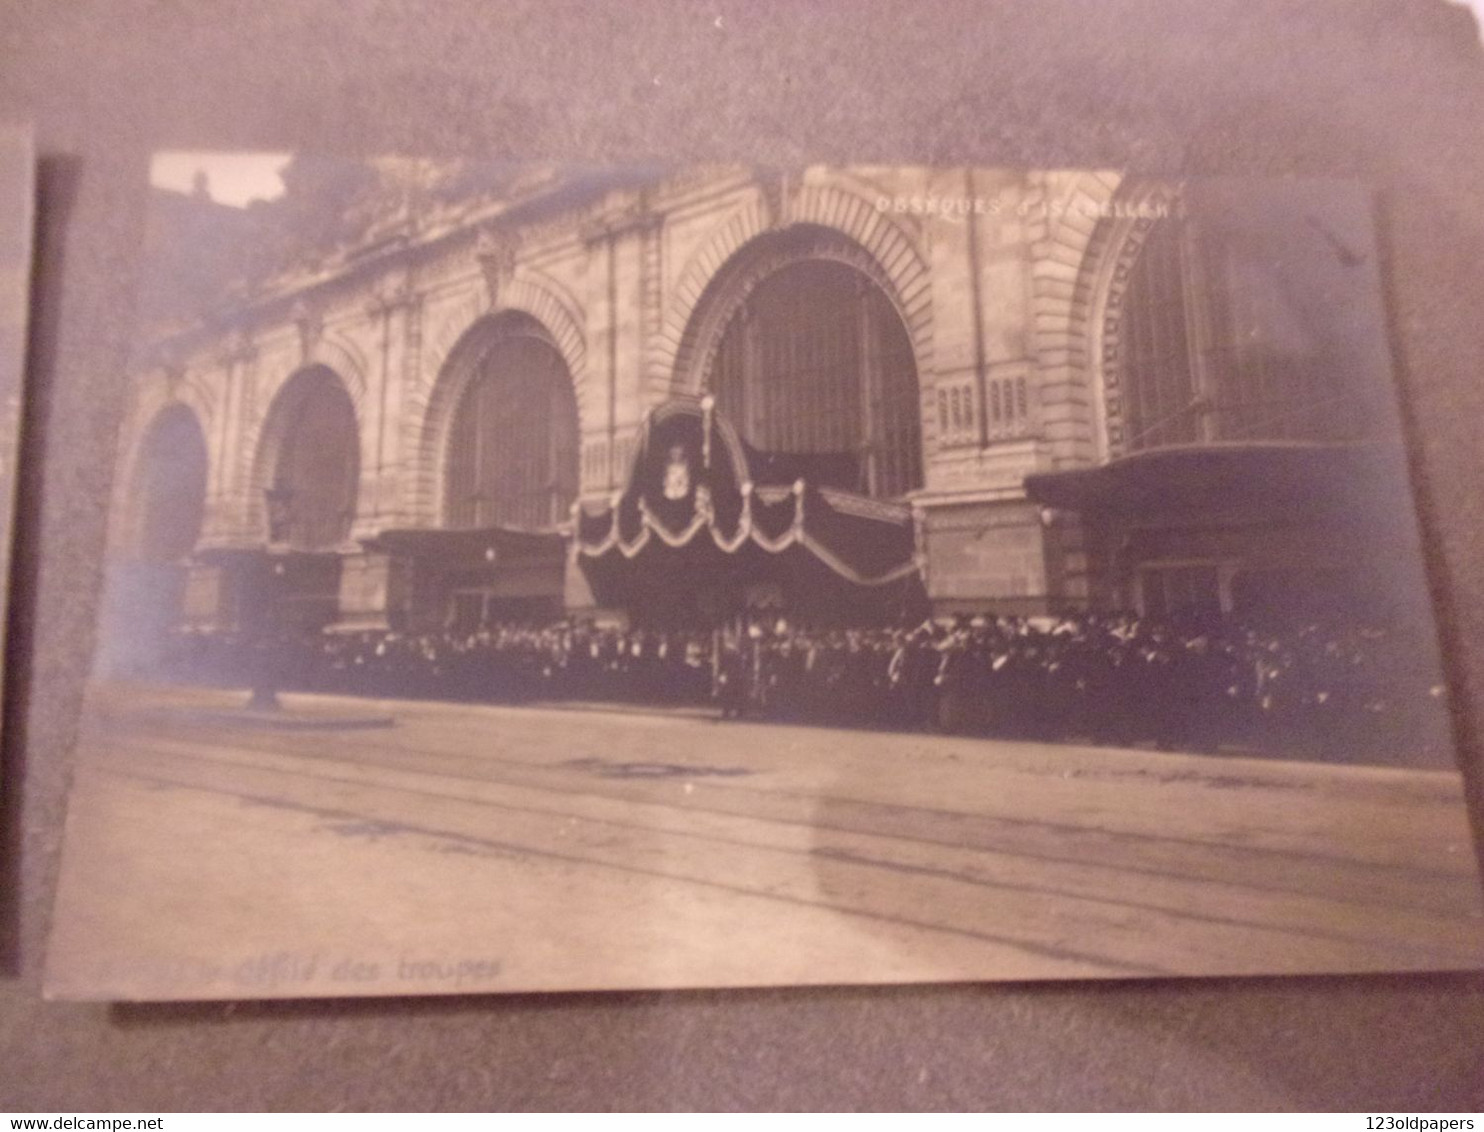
(800,354)
(1254,462)
(148,577)
(804,349)
(1218,342)
(512,448)
(169,488)
(315,462)
(502,434)
(309,469)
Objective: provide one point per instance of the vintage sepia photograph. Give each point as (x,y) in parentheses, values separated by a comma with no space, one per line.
(538,578)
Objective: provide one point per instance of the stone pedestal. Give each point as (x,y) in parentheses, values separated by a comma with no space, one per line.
(372,592)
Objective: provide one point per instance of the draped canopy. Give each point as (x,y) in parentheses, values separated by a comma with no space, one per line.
(705,520)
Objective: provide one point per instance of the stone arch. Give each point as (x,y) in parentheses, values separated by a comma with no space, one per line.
(157,523)
(338,353)
(432,417)
(1077,326)
(844,219)
(272,428)
(761,277)
(184,404)
(334,352)
(448,323)
(546,302)
(153,396)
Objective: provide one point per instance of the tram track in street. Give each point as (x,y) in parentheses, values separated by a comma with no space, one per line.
(1352,925)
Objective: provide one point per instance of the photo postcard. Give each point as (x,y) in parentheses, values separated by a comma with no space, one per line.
(539,578)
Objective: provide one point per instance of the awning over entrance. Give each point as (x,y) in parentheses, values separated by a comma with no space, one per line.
(1217,478)
(1268,529)
(262,587)
(704,519)
(472,577)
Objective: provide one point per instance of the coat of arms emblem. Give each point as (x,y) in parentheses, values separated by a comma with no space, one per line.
(677,474)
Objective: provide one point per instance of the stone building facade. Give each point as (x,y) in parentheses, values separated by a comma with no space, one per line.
(1007,286)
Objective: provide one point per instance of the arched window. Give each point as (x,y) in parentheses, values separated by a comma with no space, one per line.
(170,487)
(1159,378)
(512,450)
(1231,331)
(817,361)
(318,461)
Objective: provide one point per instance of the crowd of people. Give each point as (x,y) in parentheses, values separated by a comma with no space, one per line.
(1335,690)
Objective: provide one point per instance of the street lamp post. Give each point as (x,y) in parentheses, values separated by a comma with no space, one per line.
(264,697)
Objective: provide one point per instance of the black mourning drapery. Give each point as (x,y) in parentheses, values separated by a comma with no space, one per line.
(704,517)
